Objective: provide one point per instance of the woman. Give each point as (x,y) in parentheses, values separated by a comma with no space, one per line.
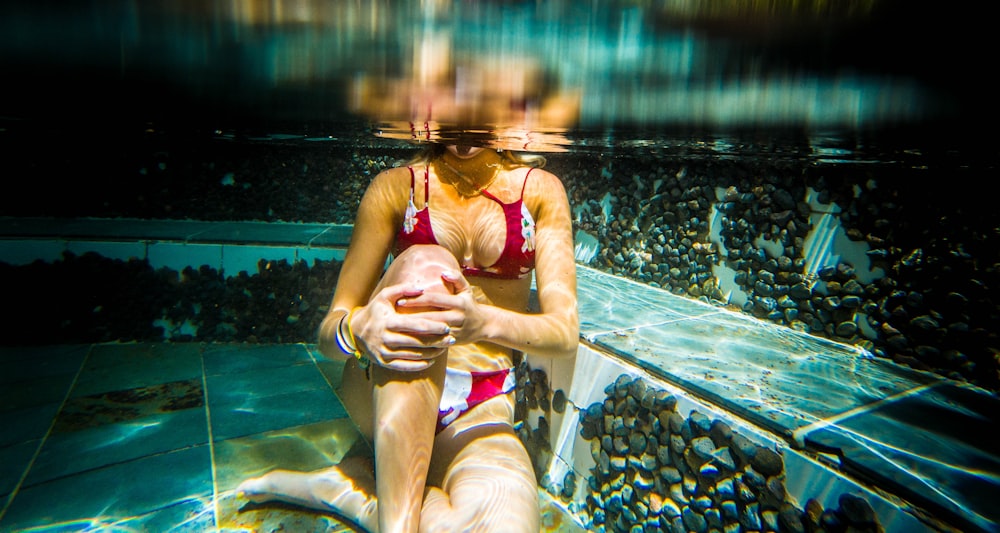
(434,340)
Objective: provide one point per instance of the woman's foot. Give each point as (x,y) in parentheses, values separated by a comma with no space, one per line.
(347,489)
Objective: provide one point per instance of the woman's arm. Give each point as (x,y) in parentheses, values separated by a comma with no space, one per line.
(375,226)
(401,341)
(555,332)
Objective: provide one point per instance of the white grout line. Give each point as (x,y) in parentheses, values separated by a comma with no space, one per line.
(798,436)
(326,229)
(211,439)
(45,438)
(591,337)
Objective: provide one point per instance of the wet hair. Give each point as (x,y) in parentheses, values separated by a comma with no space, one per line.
(512,158)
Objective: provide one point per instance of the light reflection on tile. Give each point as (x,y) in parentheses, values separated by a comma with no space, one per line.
(69,453)
(189,516)
(775,376)
(259,414)
(604,304)
(115,493)
(234,390)
(779,381)
(302,448)
(234,358)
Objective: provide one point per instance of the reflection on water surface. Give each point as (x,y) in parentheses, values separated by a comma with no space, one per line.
(515,67)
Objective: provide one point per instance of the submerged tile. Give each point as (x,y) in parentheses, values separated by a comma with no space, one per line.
(258,414)
(116,493)
(114,367)
(27,363)
(333,372)
(14,461)
(122,251)
(774,376)
(607,303)
(24,394)
(235,358)
(68,453)
(239,258)
(244,233)
(239,516)
(301,448)
(180,255)
(30,423)
(229,390)
(189,516)
(936,447)
(129,404)
(26,251)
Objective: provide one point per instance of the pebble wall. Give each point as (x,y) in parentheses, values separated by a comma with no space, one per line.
(655,470)
(730,228)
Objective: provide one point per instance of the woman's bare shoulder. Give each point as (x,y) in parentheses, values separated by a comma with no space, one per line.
(544,186)
(395,176)
(392,182)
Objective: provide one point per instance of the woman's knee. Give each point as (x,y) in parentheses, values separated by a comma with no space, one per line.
(422,264)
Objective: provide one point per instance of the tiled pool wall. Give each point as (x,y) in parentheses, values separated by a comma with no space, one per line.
(227,247)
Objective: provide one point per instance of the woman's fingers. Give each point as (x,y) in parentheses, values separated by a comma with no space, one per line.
(427,322)
(408,360)
(433,300)
(403,343)
(456,280)
(393,293)
(404,365)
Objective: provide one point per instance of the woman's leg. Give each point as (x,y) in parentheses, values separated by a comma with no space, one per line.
(481,477)
(397,411)
(405,406)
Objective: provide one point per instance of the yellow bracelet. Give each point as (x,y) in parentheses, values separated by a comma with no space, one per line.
(362,359)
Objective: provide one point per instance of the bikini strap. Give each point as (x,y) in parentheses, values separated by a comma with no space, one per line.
(427,188)
(525,184)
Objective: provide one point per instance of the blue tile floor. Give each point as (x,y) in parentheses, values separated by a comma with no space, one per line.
(155,437)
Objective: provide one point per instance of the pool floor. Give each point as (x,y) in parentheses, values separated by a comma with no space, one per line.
(155,437)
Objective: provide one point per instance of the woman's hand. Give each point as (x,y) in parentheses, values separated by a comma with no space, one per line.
(462,309)
(396,337)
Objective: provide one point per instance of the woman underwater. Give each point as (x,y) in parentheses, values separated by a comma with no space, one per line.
(431,342)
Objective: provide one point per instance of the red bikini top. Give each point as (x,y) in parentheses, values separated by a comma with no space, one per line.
(518,257)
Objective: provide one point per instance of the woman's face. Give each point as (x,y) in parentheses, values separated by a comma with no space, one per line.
(462,151)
